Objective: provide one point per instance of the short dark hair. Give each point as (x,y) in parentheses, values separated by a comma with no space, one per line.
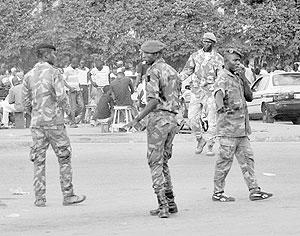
(43,48)
(42,51)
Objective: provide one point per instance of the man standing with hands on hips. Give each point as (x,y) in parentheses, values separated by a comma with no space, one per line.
(231,93)
(162,92)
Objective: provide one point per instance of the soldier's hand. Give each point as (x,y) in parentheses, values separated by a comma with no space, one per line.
(240,70)
(131,124)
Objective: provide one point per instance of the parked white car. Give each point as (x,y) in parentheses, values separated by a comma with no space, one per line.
(276,96)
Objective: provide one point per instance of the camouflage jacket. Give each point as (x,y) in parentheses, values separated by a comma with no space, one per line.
(205,66)
(44,96)
(234,122)
(163,84)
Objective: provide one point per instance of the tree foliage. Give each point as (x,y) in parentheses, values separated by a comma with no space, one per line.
(115,29)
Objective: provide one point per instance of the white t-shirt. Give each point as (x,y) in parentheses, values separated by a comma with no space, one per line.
(82,76)
(100,77)
(72,77)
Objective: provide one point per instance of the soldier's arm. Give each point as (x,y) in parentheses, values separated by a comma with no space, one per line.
(61,96)
(26,97)
(247,90)
(219,93)
(188,69)
(219,100)
(152,91)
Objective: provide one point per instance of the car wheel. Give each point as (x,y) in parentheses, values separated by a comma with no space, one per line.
(266,115)
(296,121)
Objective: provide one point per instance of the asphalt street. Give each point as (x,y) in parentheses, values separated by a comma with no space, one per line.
(112,171)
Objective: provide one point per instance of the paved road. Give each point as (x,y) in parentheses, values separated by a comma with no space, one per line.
(116,179)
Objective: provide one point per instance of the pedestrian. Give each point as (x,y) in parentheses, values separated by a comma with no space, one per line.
(13,102)
(84,86)
(122,88)
(104,109)
(231,93)
(249,72)
(72,74)
(44,96)
(205,65)
(163,91)
(140,84)
(295,67)
(99,77)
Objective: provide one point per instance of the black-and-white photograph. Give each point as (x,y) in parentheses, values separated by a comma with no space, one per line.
(149,117)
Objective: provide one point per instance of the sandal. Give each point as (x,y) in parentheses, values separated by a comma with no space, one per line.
(259,195)
(221,197)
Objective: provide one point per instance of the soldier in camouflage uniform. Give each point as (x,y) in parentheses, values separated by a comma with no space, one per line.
(163,90)
(231,93)
(44,96)
(205,64)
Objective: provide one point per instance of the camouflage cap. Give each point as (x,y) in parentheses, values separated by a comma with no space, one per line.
(45,45)
(152,46)
(234,51)
(210,36)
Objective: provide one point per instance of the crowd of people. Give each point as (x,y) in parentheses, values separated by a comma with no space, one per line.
(99,87)
(219,86)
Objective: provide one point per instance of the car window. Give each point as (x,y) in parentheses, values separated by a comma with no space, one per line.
(286,79)
(261,84)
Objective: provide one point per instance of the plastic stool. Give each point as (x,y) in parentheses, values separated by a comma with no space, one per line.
(117,123)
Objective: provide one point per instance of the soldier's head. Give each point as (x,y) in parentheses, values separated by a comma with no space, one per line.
(208,40)
(46,53)
(232,59)
(152,50)
(75,62)
(15,81)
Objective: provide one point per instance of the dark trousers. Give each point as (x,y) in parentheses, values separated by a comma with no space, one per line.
(85,96)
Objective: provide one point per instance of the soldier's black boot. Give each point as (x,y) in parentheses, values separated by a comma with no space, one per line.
(171,201)
(164,209)
(156,211)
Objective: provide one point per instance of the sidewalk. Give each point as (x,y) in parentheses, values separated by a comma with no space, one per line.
(261,132)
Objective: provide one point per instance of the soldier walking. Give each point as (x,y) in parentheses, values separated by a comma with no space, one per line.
(231,93)
(162,91)
(44,97)
(204,64)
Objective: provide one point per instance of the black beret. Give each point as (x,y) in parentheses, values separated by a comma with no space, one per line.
(152,46)
(234,51)
(46,46)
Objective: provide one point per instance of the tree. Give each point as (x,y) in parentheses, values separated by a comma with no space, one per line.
(115,29)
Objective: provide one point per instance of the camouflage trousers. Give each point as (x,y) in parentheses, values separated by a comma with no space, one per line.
(161,130)
(241,148)
(202,107)
(57,137)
